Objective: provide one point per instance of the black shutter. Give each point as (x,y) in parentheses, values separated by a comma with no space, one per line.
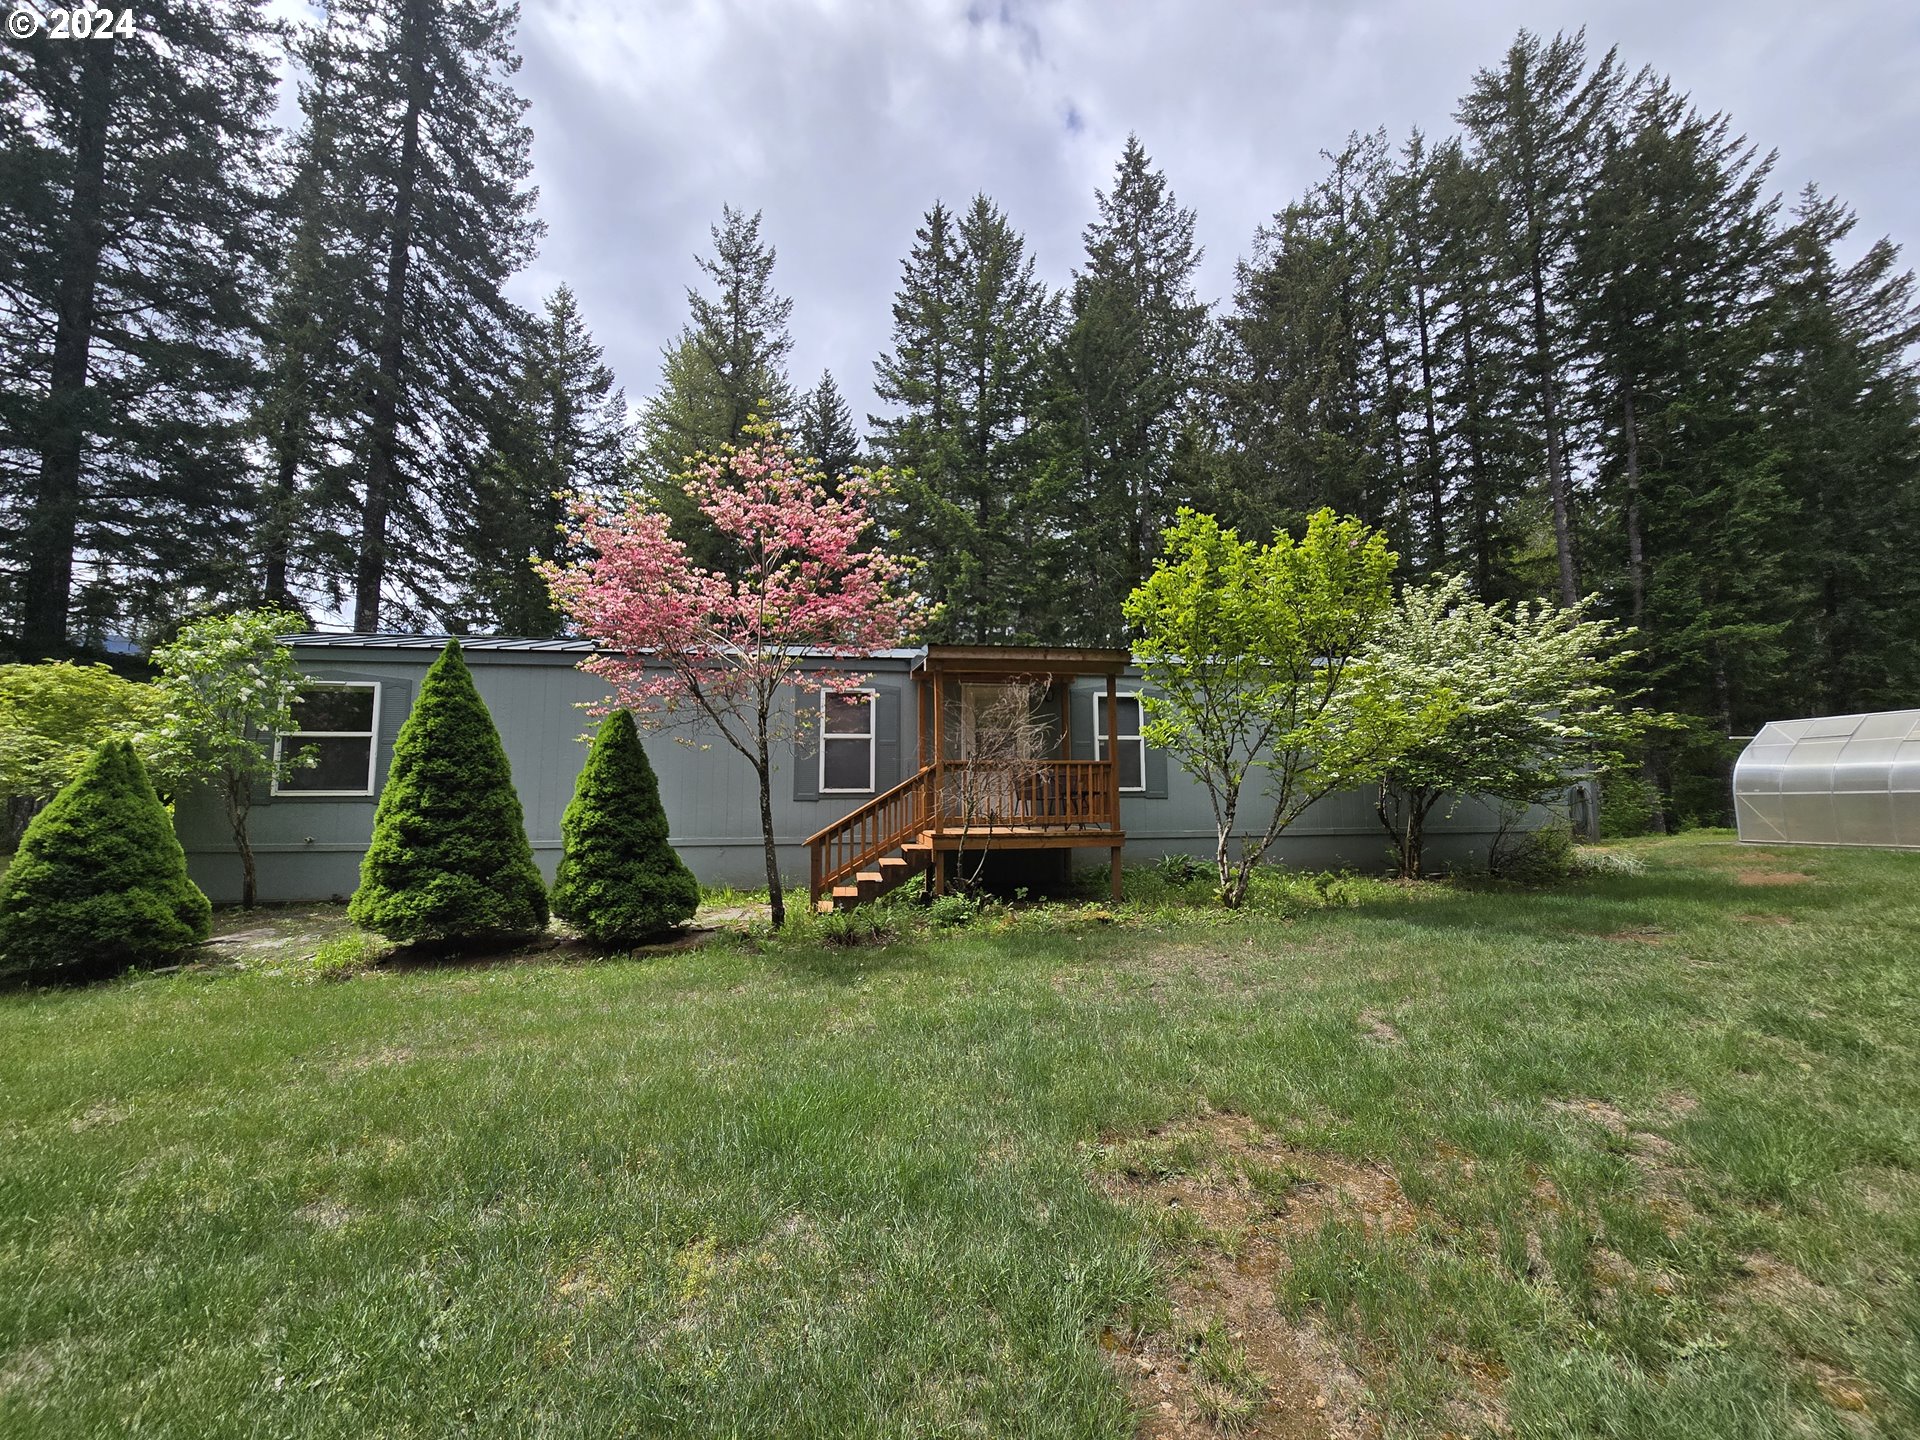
(1082,707)
(806,747)
(1156,760)
(886,737)
(396,703)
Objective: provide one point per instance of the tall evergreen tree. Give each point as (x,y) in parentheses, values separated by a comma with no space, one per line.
(1303,379)
(131,195)
(972,327)
(1666,284)
(1536,123)
(428,169)
(562,432)
(725,367)
(1845,423)
(827,431)
(1127,369)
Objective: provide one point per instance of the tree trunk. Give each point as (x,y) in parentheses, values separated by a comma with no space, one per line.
(1636,545)
(371,572)
(776,899)
(278,540)
(1477,466)
(1557,484)
(54,521)
(243,842)
(1436,474)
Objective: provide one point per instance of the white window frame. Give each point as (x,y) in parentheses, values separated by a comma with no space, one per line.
(1100,735)
(371,736)
(872,737)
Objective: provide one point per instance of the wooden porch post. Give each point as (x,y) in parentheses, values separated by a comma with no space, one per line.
(937,689)
(1113,772)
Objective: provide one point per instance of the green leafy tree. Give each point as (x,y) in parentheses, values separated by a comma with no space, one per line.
(449,860)
(1511,703)
(226,688)
(53,717)
(1255,654)
(620,881)
(100,881)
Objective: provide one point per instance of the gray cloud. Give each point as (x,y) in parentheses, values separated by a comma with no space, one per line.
(844,119)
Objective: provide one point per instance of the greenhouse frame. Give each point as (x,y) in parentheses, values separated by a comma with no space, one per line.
(1836,780)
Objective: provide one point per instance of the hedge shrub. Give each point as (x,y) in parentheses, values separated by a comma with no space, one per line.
(449,861)
(620,882)
(100,881)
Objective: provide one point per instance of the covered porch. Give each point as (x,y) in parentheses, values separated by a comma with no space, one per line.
(995,772)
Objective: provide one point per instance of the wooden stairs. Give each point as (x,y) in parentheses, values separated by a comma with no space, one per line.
(887,873)
(902,832)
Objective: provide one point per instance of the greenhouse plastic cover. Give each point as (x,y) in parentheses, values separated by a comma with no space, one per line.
(1840,780)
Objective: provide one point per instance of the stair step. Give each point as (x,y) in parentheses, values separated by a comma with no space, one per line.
(846,892)
(823,907)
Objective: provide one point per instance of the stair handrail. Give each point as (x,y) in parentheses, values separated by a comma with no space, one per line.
(882,841)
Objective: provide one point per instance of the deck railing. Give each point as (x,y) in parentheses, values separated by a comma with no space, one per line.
(1026,794)
(961,796)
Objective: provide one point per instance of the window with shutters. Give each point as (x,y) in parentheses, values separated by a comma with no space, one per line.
(337,725)
(846,742)
(1133,749)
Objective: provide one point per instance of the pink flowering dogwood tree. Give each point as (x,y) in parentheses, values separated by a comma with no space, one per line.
(682,645)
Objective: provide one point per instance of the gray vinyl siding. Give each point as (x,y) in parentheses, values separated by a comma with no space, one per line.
(309,847)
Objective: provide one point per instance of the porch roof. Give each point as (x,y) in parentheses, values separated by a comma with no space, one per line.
(1008,662)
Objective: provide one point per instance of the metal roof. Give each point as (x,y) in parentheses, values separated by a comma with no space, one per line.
(521,645)
(400,641)
(1835,780)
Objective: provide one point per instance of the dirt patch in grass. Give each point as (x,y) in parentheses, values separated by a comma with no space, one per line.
(1639,935)
(1375,1027)
(25,1371)
(325,1214)
(1660,1163)
(1771,877)
(1226,1197)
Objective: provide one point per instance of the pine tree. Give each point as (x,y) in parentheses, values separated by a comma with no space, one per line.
(1846,427)
(426,212)
(1126,372)
(827,432)
(620,882)
(972,329)
(304,403)
(563,433)
(1667,282)
(727,366)
(449,860)
(1535,124)
(132,214)
(100,881)
(1303,377)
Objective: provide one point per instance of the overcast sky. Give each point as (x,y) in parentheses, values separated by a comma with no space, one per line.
(843,120)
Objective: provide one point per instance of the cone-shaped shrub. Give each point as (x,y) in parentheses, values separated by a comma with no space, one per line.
(449,860)
(100,881)
(620,882)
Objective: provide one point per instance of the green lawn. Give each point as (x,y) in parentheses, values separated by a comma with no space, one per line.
(1635,1157)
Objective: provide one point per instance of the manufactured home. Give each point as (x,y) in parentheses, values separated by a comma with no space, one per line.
(908,761)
